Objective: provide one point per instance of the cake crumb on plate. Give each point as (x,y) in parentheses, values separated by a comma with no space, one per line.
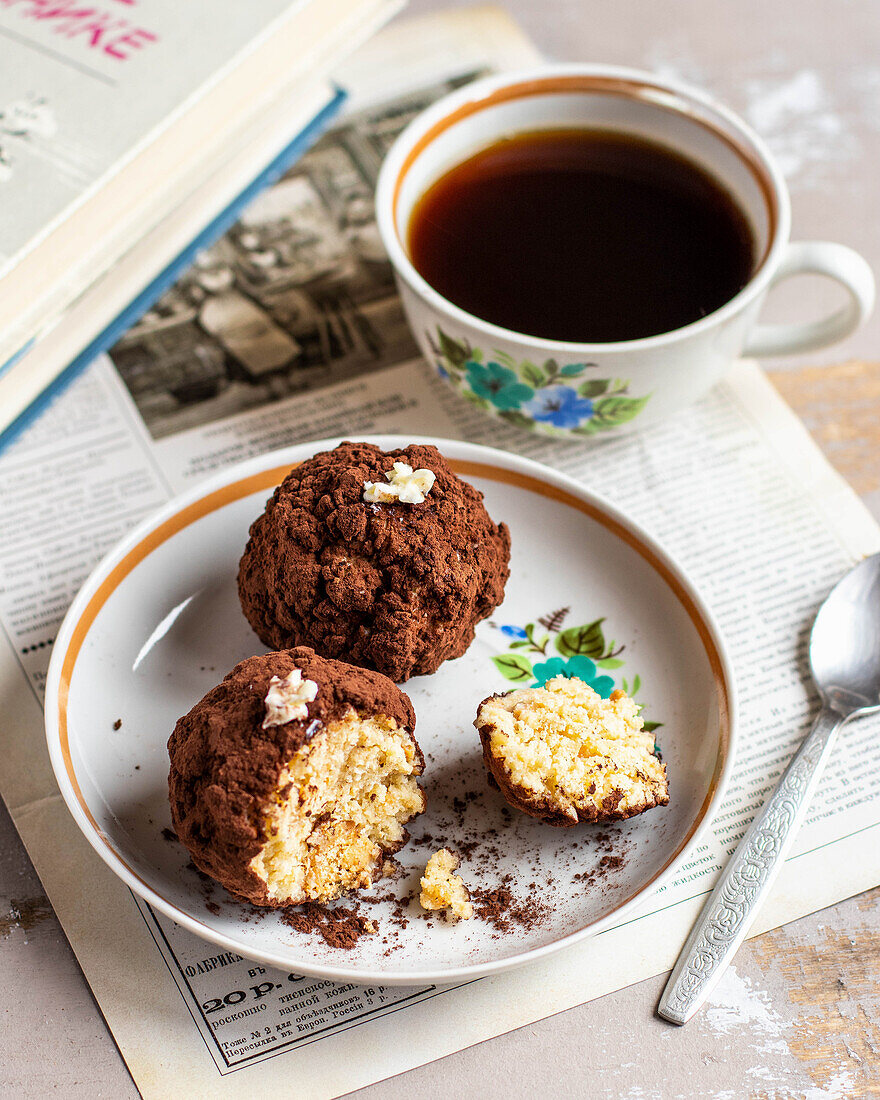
(442,889)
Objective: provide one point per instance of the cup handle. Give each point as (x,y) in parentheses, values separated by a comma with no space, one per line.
(838,262)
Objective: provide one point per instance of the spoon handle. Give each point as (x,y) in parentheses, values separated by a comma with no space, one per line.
(747,878)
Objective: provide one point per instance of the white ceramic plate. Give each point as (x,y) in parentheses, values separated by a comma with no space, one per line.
(158,623)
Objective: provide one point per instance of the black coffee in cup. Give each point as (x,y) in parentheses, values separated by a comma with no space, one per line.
(585,236)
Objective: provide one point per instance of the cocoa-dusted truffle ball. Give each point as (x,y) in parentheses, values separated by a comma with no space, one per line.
(292,779)
(564,754)
(384,559)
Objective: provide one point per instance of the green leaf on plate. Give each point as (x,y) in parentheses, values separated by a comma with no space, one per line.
(649,727)
(514,667)
(587,640)
(609,662)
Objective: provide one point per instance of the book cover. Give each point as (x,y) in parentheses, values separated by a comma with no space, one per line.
(82,86)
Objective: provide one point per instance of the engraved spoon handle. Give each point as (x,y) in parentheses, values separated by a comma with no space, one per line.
(747,878)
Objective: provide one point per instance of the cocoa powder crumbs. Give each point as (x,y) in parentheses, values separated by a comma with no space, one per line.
(399,911)
(170,836)
(504,911)
(206,884)
(378,899)
(117,725)
(338,927)
(613,859)
(460,805)
(466,848)
(604,839)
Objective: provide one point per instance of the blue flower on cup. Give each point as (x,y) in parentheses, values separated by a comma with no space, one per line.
(579,667)
(514,632)
(559,406)
(497,384)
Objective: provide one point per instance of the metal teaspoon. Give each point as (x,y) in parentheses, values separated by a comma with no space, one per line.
(845,663)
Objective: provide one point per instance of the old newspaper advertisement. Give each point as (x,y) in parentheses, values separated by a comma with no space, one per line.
(287,330)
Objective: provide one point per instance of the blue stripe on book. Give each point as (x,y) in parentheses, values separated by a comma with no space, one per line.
(15,358)
(143,301)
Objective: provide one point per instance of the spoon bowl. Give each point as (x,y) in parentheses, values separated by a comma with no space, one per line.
(845,642)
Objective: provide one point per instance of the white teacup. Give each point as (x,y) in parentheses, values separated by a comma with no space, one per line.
(563,388)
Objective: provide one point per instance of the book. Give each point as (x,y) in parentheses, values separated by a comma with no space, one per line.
(118,298)
(103,141)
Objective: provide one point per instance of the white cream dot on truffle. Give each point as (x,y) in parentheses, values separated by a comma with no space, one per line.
(287,699)
(406,485)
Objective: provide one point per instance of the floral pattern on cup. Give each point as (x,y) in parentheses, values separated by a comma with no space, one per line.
(558,400)
(497,384)
(584,654)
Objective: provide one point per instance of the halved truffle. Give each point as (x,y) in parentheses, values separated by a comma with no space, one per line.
(564,754)
(383,558)
(292,779)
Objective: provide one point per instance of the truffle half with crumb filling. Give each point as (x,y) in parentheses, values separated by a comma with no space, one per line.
(564,754)
(386,559)
(442,889)
(292,779)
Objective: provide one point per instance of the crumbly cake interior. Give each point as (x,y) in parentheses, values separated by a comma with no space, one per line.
(340,803)
(442,889)
(565,744)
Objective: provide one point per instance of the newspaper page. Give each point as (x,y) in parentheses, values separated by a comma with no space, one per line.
(733,487)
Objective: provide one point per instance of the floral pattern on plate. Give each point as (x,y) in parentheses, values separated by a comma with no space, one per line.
(582,652)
